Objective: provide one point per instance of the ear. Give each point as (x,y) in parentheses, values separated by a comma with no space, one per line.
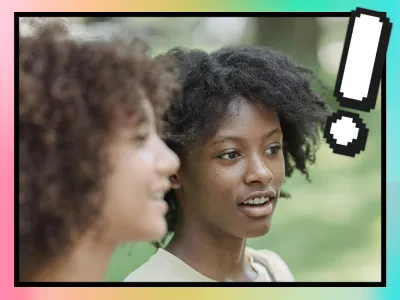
(175,181)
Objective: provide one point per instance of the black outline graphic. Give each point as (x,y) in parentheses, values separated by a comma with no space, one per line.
(18,283)
(354,147)
(369,102)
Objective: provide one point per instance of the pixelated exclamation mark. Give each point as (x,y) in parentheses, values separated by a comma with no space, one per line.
(358,79)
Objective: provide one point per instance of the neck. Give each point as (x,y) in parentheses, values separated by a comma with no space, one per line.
(87,261)
(215,254)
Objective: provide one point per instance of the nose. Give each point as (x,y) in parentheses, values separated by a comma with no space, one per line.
(167,162)
(258,171)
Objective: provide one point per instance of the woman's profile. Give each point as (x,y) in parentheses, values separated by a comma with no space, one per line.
(92,168)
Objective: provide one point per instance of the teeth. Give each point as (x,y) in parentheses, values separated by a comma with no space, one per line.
(159,195)
(261,200)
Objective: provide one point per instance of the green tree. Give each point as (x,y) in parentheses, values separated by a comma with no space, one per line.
(91,20)
(296,37)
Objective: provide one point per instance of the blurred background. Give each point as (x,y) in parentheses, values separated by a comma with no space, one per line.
(330,230)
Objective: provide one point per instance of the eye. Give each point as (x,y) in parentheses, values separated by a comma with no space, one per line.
(274,149)
(230,155)
(141,137)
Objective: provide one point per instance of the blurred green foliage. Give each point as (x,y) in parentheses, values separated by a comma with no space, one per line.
(91,20)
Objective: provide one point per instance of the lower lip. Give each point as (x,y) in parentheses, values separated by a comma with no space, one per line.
(257,211)
(161,205)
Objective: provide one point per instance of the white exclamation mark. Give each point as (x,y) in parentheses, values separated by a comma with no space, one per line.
(358,79)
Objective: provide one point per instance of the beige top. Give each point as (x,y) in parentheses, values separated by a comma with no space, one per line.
(166,267)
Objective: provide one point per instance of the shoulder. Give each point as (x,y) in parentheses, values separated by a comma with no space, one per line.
(162,266)
(151,270)
(140,273)
(276,265)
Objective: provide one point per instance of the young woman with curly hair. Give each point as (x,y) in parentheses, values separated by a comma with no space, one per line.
(92,167)
(248,119)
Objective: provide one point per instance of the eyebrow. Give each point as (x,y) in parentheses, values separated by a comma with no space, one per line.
(239,139)
(142,120)
(140,117)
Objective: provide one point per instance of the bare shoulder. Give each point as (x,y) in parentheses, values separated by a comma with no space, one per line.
(275,263)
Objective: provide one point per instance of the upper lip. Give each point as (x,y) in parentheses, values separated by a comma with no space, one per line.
(164,188)
(259,194)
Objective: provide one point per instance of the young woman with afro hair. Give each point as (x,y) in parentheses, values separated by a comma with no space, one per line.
(248,119)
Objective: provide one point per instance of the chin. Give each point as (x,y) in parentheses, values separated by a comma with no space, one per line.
(159,231)
(149,233)
(258,231)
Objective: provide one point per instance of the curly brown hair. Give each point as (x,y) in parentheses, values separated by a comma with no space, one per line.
(73,96)
(212,81)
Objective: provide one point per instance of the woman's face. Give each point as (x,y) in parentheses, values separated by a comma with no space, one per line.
(232,182)
(141,162)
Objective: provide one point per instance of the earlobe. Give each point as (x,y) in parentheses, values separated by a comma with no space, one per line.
(175,182)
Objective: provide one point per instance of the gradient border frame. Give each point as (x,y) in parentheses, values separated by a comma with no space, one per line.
(382,283)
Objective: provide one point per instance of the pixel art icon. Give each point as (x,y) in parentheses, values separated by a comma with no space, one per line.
(357,84)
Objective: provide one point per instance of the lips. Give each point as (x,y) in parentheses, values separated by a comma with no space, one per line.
(159,192)
(258,195)
(257,211)
(258,204)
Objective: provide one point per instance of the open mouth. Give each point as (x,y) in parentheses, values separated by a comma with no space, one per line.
(257,201)
(159,196)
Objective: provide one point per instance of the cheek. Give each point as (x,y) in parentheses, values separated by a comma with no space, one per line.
(141,164)
(145,156)
(220,183)
(133,172)
(278,170)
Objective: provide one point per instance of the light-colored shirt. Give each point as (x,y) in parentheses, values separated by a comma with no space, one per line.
(163,266)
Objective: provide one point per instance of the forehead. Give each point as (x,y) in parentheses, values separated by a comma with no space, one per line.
(147,109)
(244,119)
(244,115)
(132,118)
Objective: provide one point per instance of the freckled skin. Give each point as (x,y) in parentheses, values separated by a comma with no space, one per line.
(211,187)
(210,229)
(211,182)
